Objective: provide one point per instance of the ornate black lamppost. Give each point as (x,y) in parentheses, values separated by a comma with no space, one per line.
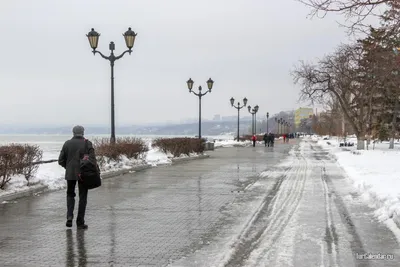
(253,113)
(200,95)
(93,37)
(238,107)
(267,121)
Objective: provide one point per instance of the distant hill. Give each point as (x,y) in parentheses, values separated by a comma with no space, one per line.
(208,128)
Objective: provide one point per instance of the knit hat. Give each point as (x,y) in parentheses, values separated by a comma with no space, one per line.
(78,130)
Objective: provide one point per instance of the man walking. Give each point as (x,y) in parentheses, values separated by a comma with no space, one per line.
(70,155)
(266,139)
(270,139)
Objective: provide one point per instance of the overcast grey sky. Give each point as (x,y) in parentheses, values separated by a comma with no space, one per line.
(49,75)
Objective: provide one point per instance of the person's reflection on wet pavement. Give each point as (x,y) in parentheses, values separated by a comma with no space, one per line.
(80,237)
(69,261)
(81,249)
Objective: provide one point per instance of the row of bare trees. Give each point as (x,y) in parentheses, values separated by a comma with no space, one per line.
(359,82)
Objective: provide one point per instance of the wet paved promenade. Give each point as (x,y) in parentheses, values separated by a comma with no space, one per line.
(149,218)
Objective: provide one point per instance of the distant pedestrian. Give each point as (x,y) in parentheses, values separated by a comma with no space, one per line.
(70,156)
(284,138)
(271,139)
(254,138)
(266,139)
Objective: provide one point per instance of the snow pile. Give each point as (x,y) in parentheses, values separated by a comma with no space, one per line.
(230,143)
(333,143)
(376,176)
(156,157)
(51,175)
(123,164)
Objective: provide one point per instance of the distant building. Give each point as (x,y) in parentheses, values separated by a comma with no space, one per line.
(302,113)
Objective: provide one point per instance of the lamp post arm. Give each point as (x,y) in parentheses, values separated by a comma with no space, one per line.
(120,56)
(196,94)
(101,54)
(203,94)
(242,106)
(237,107)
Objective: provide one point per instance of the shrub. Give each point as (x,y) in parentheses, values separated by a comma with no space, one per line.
(178,146)
(32,153)
(242,138)
(131,147)
(104,149)
(7,164)
(17,159)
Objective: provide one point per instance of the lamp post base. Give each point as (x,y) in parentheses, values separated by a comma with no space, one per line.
(112,140)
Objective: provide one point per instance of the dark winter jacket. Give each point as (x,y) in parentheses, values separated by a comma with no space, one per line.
(271,138)
(70,155)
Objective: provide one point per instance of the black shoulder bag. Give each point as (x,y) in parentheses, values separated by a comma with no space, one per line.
(89,170)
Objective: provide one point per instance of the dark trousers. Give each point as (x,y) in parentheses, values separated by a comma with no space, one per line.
(254,143)
(83,192)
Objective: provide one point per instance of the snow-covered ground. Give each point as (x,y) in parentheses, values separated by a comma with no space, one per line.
(375,174)
(52,175)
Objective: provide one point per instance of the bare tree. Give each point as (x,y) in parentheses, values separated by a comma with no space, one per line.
(355,11)
(329,122)
(337,76)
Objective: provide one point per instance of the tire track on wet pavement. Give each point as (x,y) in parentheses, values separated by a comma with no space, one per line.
(272,216)
(331,238)
(276,227)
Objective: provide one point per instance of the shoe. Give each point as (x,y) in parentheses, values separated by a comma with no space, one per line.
(82,226)
(69,223)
